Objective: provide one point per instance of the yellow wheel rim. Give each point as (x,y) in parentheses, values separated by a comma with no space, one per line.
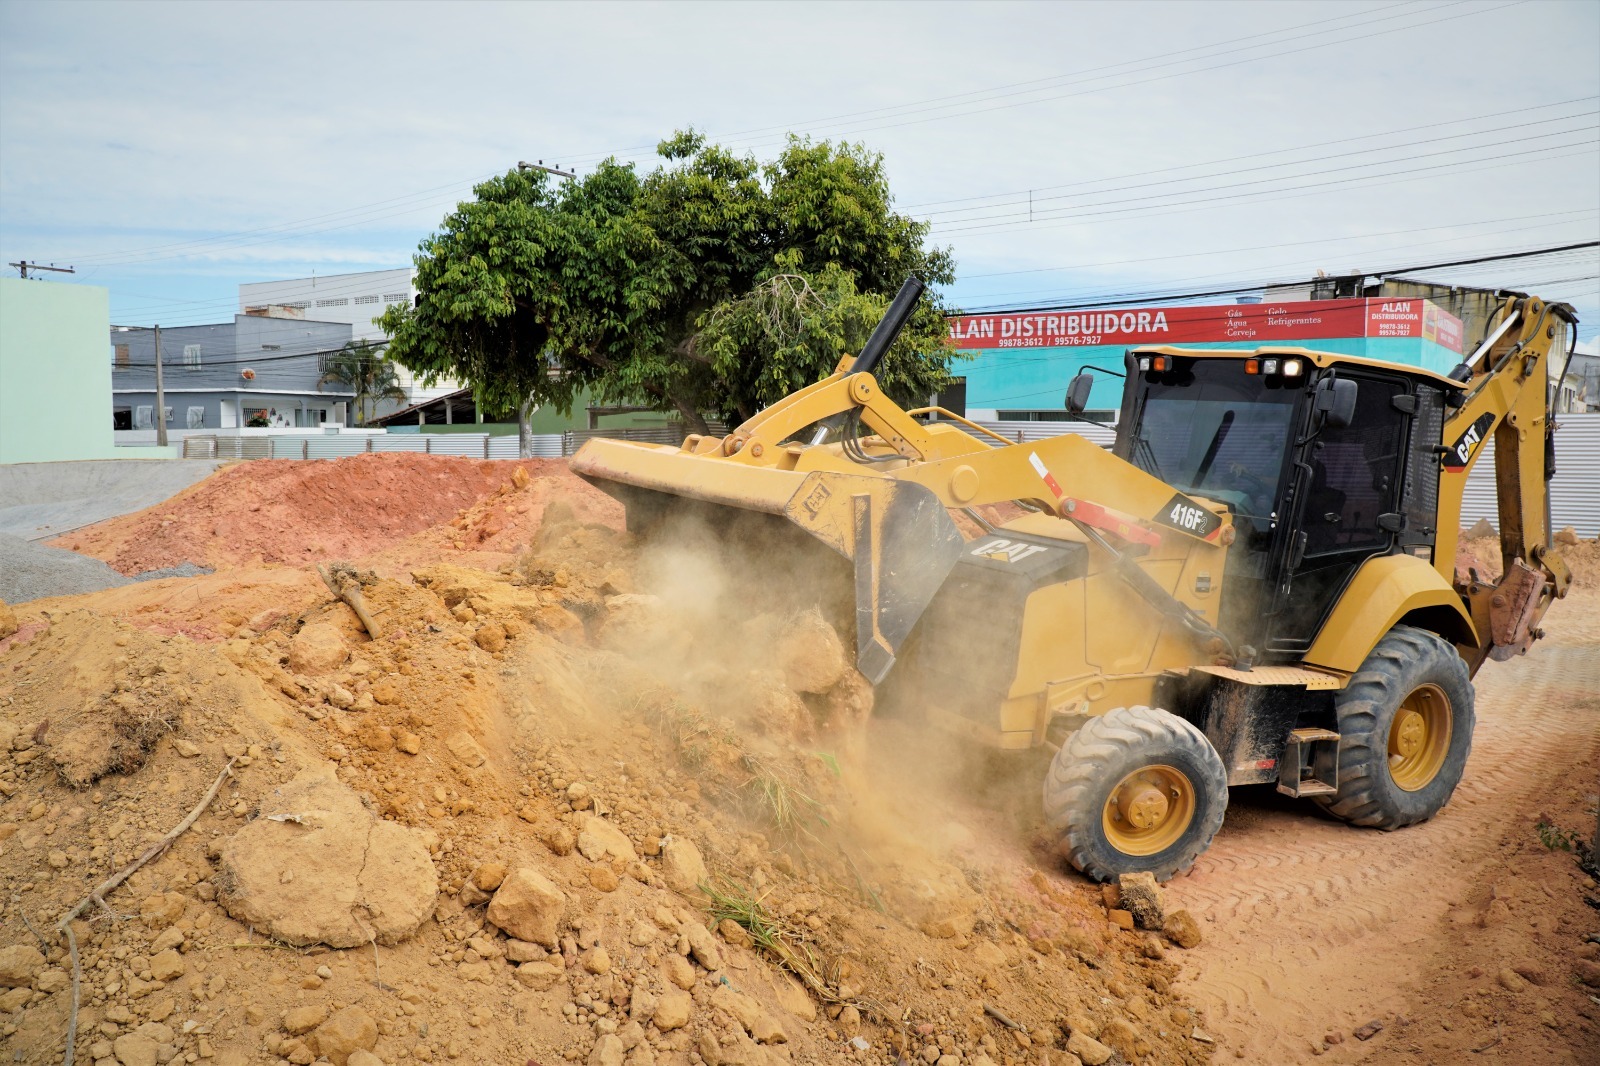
(1149,810)
(1419,738)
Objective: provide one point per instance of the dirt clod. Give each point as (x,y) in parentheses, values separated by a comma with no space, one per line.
(318,867)
(1142,897)
(1181,928)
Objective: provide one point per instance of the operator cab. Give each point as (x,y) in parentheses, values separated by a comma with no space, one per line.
(1324,460)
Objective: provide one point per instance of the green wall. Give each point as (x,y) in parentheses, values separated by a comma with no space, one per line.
(55,372)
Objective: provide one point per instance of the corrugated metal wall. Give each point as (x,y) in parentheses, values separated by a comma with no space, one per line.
(1574,491)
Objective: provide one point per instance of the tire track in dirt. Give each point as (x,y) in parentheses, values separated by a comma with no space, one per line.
(1313,925)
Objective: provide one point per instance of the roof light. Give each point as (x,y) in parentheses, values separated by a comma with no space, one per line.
(1160,362)
(1144,362)
(1292,368)
(1269,366)
(1252,366)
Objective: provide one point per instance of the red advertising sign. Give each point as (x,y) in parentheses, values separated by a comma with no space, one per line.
(1263,323)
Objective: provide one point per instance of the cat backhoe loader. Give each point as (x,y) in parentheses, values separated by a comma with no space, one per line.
(1256,584)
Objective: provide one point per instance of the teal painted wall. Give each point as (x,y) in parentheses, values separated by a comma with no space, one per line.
(1035,379)
(55,372)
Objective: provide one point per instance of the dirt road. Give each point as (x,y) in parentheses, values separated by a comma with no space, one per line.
(1314,927)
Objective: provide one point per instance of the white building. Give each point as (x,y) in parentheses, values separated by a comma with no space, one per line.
(353,298)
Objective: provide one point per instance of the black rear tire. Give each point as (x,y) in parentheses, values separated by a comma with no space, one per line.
(1376,786)
(1100,757)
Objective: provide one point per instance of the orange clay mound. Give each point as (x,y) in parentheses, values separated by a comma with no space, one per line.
(282,511)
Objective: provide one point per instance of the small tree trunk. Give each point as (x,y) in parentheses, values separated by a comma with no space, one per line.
(525,429)
(691,416)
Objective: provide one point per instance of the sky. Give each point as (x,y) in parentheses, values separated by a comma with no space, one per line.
(1065,152)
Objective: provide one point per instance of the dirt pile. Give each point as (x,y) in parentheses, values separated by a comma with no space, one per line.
(1480,551)
(658,836)
(282,511)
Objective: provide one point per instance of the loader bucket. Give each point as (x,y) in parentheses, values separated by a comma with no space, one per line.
(897,535)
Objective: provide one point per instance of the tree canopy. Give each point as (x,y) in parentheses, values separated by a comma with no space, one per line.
(711,285)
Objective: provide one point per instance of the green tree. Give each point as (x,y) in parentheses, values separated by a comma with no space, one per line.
(711,285)
(361,368)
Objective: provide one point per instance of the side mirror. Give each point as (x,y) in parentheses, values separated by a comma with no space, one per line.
(1078,394)
(1336,402)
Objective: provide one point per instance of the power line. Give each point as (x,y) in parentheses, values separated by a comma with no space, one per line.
(1258,286)
(283,230)
(1037,199)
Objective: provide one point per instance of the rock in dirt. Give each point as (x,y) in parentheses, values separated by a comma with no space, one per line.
(332,873)
(136,1049)
(348,1031)
(1480,528)
(673,1011)
(607,1051)
(489,876)
(811,653)
(702,945)
(1142,898)
(600,840)
(682,867)
(1181,928)
(301,1020)
(8,620)
(1566,535)
(1090,1050)
(318,648)
(19,965)
(1368,1031)
(528,906)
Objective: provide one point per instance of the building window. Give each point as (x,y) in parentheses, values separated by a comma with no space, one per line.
(191,356)
(394,297)
(141,417)
(120,358)
(166,415)
(271,347)
(197,417)
(298,305)
(333,303)
(366,299)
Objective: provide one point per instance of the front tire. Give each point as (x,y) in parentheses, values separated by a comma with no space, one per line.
(1135,790)
(1405,722)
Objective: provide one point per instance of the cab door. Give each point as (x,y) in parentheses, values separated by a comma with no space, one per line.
(1348,486)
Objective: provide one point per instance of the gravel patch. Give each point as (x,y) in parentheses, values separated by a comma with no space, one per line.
(30,571)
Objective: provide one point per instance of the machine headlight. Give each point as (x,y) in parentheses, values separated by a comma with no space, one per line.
(1292,368)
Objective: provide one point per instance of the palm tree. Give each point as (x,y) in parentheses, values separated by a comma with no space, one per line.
(360,367)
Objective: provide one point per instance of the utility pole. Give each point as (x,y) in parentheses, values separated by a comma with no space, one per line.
(556,170)
(26,266)
(161,398)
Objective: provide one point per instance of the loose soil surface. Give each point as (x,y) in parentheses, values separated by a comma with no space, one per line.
(1316,929)
(579,800)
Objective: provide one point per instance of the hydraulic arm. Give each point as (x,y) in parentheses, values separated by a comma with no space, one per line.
(1508,397)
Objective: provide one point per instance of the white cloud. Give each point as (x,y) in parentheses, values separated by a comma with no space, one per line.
(347,131)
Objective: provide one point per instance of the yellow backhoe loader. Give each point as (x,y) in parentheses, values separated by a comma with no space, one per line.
(1256,584)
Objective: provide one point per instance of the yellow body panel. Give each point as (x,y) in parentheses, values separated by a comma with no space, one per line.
(1384,591)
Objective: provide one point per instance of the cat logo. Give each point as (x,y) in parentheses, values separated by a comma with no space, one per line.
(1459,454)
(1007,551)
